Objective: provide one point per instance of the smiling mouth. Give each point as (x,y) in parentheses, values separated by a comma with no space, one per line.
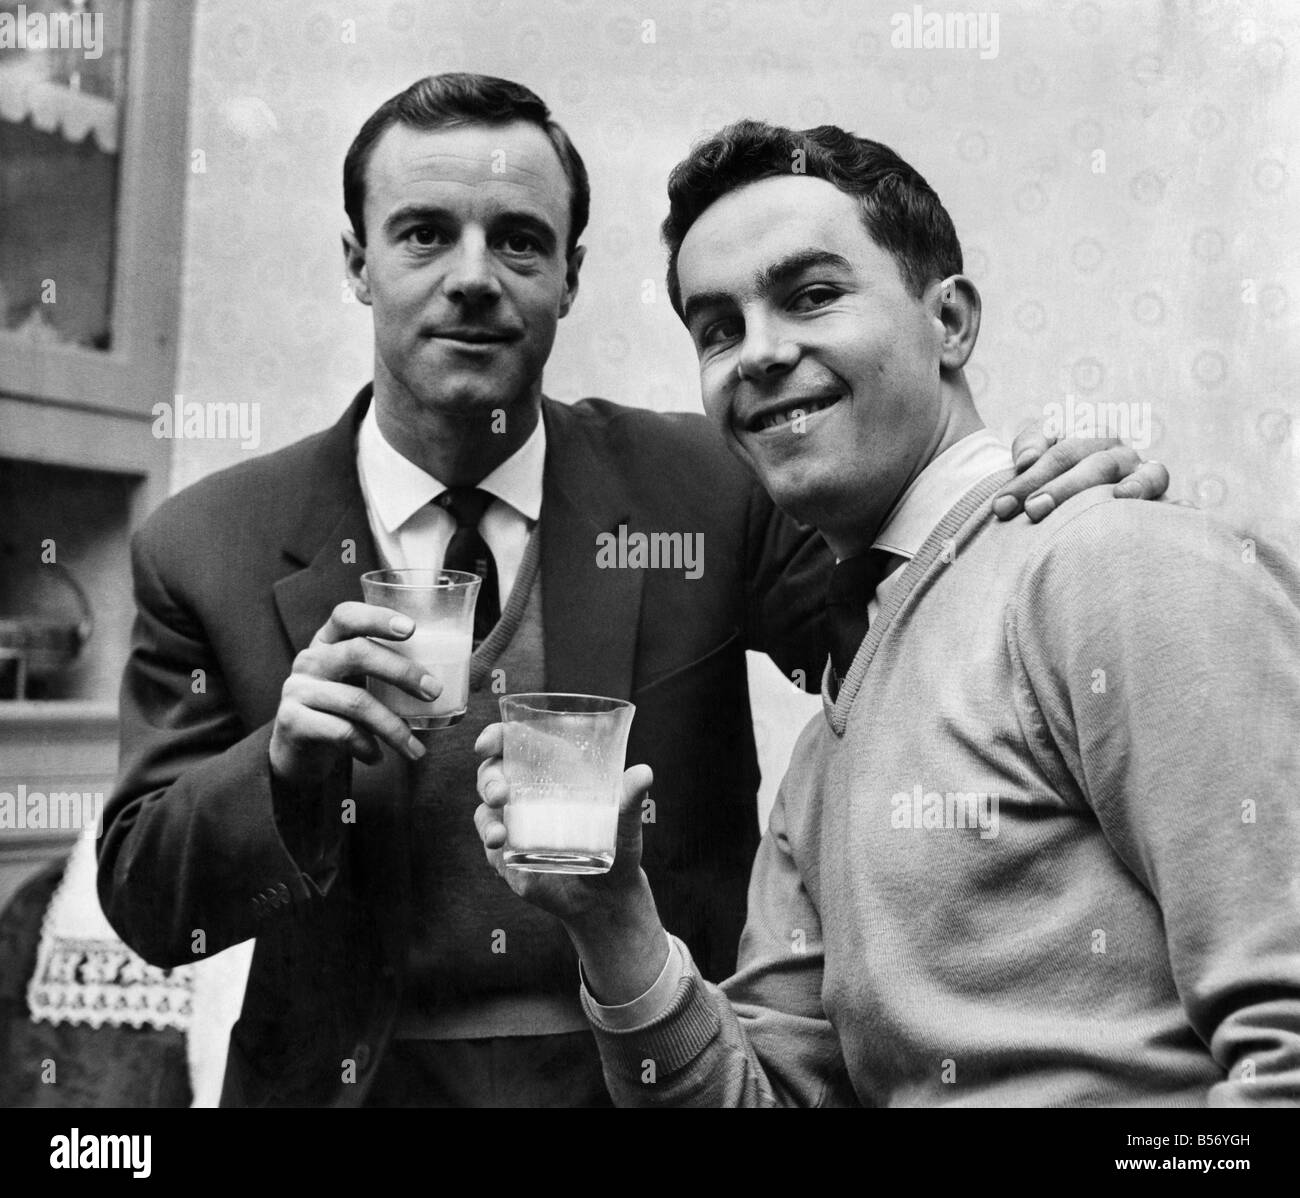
(786,413)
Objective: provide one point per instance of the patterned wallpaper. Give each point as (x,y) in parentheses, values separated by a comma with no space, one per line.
(1122,177)
(1120,174)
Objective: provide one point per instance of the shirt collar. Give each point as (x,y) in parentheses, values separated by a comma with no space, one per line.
(396,488)
(937,488)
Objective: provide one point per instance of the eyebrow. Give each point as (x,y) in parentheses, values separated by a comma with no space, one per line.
(769,278)
(516,218)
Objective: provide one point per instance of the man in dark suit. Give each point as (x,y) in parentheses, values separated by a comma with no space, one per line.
(264,793)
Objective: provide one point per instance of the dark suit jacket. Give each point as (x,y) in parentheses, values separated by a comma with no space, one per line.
(235,575)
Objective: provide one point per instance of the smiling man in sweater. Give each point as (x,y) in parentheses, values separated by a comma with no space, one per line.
(1040,846)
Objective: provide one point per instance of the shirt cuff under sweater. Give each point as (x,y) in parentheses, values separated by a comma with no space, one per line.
(676,1020)
(645,1008)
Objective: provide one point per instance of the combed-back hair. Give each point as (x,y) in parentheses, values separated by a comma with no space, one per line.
(459,98)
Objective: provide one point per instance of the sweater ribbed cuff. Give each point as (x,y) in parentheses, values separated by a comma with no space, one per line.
(672,1041)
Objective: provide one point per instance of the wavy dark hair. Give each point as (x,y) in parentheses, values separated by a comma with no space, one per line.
(900,210)
(460,98)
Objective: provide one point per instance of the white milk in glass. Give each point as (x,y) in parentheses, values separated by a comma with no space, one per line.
(562,814)
(574,825)
(443,653)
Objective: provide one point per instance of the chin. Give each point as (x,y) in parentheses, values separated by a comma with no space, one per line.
(792,486)
(473,397)
(821,503)
(799,502)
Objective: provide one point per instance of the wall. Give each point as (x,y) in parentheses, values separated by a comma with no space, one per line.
(1120,176)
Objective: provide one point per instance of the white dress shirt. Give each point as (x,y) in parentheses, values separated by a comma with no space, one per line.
(930,497)
(412,532)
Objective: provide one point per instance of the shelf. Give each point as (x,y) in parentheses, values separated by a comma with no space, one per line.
(85,716)
(56,108)
(50,746)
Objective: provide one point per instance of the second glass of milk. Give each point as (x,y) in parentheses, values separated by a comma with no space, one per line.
(441,602)
(563,760)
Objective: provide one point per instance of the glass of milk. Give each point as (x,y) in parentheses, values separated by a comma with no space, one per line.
(563,760)
(441,602)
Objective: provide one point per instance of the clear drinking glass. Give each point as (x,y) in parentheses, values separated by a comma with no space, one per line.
(441,602)
(563,760)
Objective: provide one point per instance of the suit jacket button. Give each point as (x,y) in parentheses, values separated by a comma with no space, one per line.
(362,1057)
(283,892)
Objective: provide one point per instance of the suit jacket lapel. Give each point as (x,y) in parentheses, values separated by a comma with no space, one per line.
(589,615)
(332,541)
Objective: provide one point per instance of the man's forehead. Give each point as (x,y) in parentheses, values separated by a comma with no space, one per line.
(764,224)
(518,155)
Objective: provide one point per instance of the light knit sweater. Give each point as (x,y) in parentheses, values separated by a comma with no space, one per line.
(1043,847)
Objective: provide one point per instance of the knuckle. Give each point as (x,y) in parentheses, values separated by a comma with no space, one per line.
(396,732)
(286,716)
(359,742)
(354,657)
(1122,459)
(357,704)
(1099,468)
(346,649)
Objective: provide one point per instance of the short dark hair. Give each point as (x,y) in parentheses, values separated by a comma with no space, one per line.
(460,98)
(900,210)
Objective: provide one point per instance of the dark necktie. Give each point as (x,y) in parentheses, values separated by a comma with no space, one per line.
(853,583)
(468,551)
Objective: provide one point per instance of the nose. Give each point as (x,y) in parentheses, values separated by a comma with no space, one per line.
(471,276)
(766,352)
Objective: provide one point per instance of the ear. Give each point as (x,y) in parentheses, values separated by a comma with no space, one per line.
(571,278)
(354,262)
(955,304)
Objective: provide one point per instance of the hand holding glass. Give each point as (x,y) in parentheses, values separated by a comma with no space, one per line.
(441,602)
(563,760)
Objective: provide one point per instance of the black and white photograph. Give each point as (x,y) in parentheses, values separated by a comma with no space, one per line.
(685,554)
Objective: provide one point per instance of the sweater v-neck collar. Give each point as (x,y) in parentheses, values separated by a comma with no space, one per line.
(941,547)
(493,645)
